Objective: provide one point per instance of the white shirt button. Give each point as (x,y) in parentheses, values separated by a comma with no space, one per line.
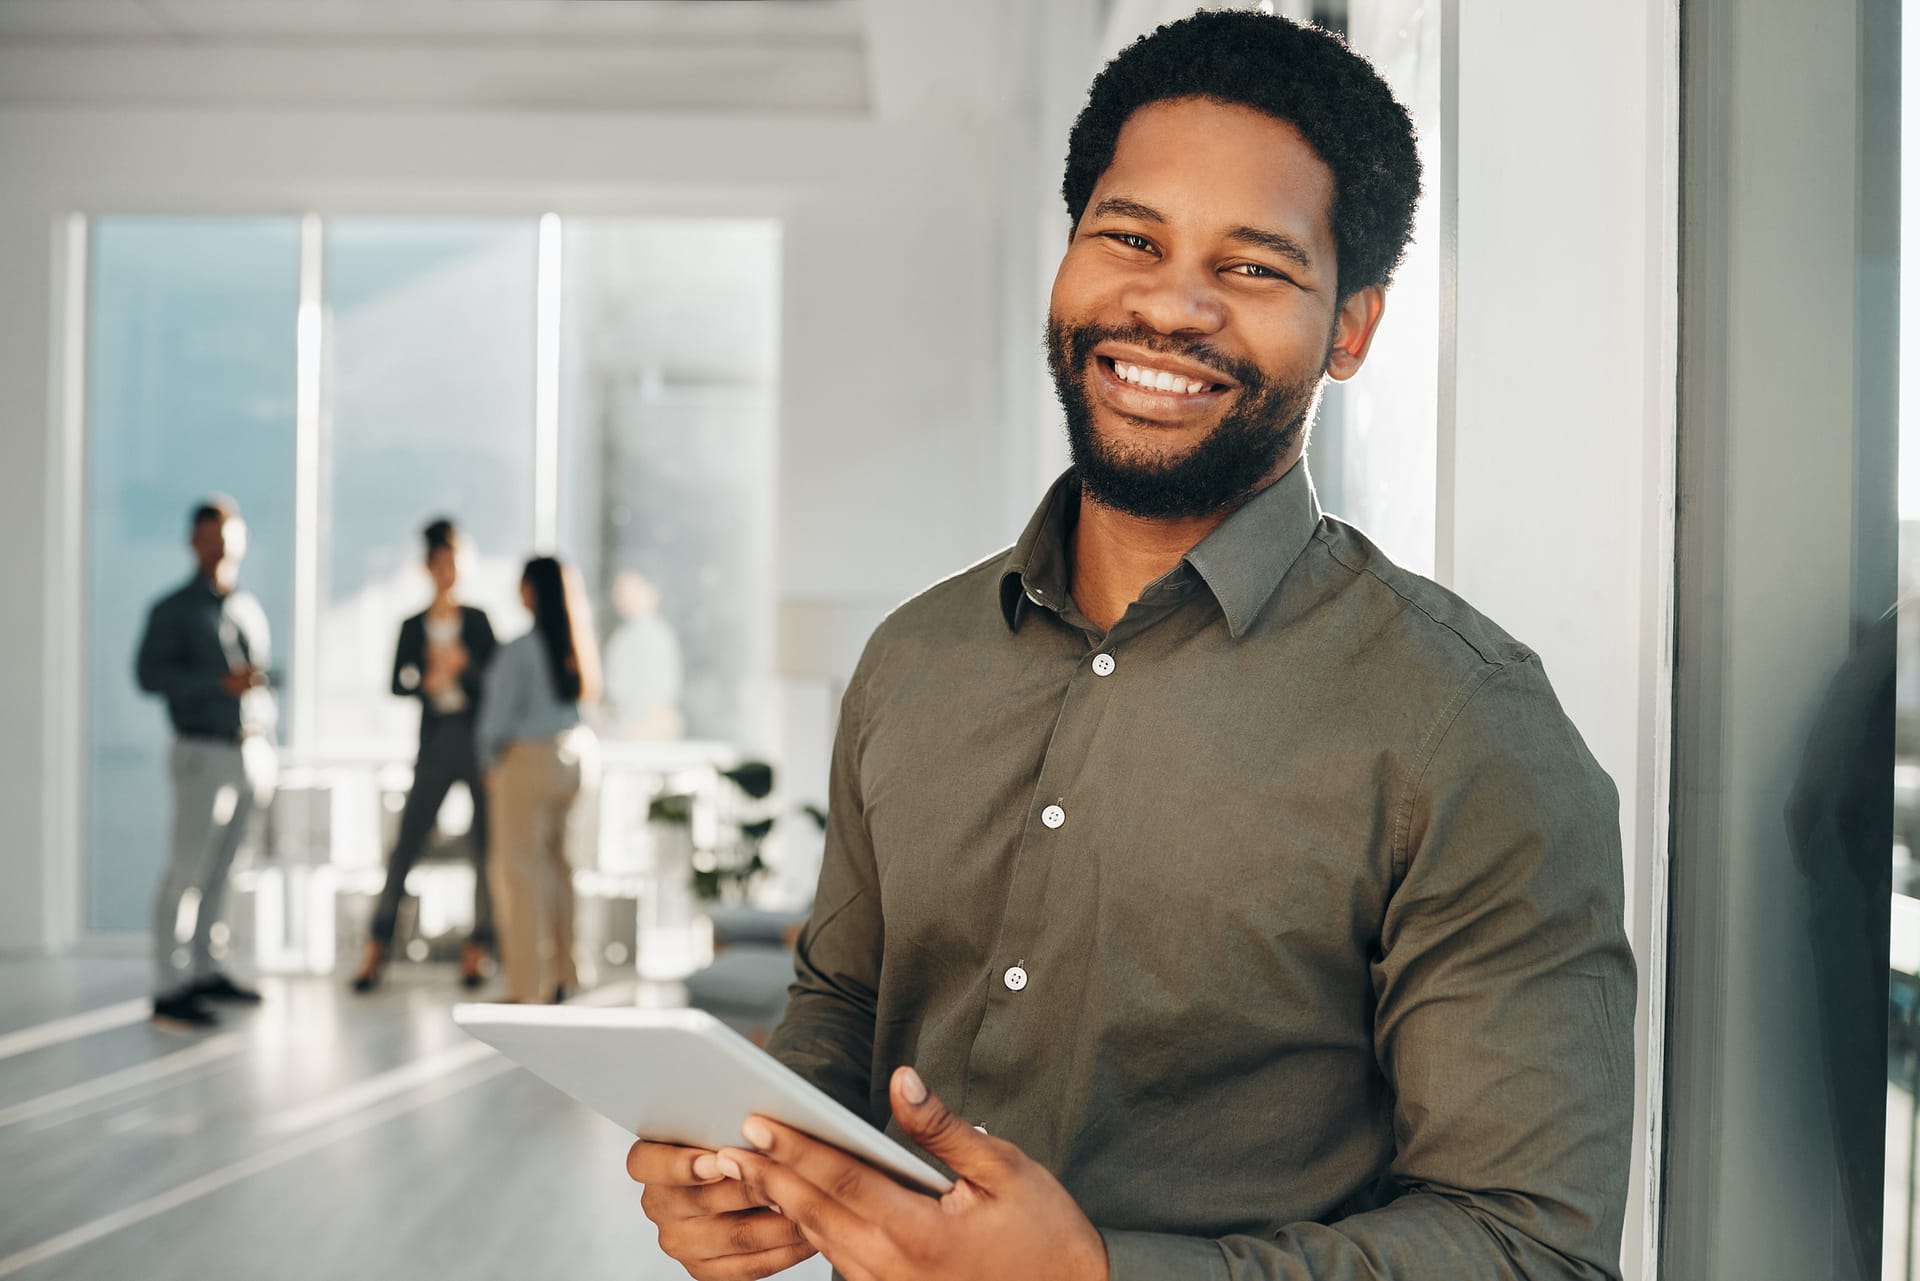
(1053,816)
(1103,664)
(1016,978)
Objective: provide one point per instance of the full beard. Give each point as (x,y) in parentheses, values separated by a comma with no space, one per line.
(1226,468)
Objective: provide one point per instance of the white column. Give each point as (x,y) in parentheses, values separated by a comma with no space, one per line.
(1557,419)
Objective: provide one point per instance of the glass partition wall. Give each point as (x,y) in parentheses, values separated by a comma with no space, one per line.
(1791,1019)
(190,388)
(600,389)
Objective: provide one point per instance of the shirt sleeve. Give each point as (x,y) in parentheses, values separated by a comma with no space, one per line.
(161,665)
(827,1033)
(406,664)
(1504,994)
(502,706)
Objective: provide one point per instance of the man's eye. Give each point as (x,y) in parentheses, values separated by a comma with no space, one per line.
(1130,240)
(1257,271)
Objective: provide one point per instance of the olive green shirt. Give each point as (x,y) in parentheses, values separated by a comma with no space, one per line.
(1282,922)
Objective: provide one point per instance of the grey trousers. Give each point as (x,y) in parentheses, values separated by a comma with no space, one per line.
(217,789)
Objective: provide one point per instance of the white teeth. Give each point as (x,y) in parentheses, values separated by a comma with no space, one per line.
(1158,379)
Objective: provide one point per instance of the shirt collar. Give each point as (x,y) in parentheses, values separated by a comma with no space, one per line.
(1036,569)
(1241,562)
(1244,559)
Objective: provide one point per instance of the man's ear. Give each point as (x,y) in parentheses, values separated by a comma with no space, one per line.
(1353,331)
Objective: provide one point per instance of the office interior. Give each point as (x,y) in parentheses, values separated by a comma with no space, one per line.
(736,306)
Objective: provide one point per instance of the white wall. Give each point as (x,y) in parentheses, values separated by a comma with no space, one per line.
(894,443)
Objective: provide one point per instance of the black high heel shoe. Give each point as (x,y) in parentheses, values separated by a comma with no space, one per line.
(372,961)
(473,971)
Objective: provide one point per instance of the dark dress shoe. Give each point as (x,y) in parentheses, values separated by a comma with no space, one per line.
(185,1011)
(219,987)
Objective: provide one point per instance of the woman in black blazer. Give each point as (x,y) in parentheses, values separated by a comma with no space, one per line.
(442,655)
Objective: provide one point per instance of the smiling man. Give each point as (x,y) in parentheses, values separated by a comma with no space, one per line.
(1246,904)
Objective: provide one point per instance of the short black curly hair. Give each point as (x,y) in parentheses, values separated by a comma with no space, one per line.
(1301,74)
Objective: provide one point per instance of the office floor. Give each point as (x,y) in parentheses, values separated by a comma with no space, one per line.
(323,1136)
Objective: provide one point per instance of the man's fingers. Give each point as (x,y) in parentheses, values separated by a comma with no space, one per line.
(710,1238)
(751,1267)
(753,1231)
(649,1162)
(847,1179)
(677,1201)
(930,1123)
(826,1221)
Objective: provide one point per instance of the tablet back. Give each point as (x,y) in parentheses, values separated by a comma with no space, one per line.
(677,1076)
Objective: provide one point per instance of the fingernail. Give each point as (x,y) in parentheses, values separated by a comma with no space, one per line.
(912,1086)
(757,1134)
(706,1166)
(727,1167)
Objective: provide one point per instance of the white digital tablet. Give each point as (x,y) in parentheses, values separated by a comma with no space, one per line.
(678,1076)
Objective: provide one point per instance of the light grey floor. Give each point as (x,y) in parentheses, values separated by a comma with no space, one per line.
(324,1136)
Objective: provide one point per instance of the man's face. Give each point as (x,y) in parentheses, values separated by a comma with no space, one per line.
(1196,310)
(219,543)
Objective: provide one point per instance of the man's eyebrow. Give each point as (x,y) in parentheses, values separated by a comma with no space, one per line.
(1126,208)
(1284,245)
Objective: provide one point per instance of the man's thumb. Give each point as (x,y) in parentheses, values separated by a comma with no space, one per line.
(930,1123)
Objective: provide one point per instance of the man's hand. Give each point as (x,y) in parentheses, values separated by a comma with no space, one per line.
(711,1225)
(1005,1217)
(239,680)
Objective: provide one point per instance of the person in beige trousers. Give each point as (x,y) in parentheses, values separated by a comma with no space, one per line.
(539,755)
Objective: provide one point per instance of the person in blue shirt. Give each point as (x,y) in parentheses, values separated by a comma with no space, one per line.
(538,754)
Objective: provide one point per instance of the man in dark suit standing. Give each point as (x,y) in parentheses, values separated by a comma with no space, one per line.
(442,655)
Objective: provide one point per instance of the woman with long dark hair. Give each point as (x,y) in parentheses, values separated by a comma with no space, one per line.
(538,755)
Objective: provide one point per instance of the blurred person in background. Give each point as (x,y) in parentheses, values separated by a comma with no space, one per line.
(441,660)
(206,652)
(643,664)
(538,754)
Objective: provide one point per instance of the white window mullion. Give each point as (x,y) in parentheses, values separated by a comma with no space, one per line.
(300,659)
(546,389)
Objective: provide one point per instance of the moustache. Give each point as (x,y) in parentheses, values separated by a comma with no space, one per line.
(1080,340)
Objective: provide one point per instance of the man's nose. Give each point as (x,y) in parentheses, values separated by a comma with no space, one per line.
(1176,298)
